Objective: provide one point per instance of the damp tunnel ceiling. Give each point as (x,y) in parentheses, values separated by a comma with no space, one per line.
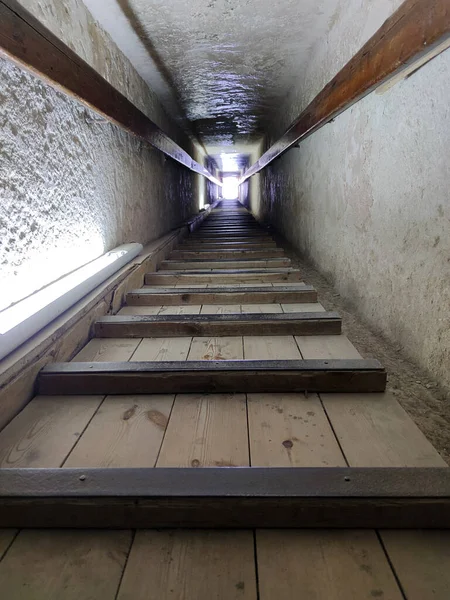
(220,67)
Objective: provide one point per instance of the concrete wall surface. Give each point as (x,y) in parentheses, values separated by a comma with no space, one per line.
(366,198)
(72,185)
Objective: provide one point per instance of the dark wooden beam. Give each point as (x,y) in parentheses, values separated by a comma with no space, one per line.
(244,497)
(221,295)
(315,323)
(236,253)
(226,264)
(26,41)
(414,30)
(212,376)
(225,276)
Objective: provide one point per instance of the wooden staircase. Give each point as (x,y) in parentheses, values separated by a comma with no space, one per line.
(223,359)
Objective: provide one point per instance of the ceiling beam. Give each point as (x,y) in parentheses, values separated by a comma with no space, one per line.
(415,30)
(30,44)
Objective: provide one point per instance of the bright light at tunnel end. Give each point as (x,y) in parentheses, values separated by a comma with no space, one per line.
(230,189)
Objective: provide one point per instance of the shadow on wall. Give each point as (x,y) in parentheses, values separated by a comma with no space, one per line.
(140,31)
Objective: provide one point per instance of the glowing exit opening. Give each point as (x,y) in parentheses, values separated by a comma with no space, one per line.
(230,189)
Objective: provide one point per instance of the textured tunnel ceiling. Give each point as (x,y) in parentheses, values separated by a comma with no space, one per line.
(222,65)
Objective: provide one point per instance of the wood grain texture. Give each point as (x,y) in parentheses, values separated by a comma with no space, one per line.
(256,324)
(271,347)
(107,350)
(185,565)
(216,348)
(412,31)
(43,434)
(206,431)
(127,431)
(421,561)
(64,565)
(162,349)
(331,565)
(232,276)
(212,376)
(218,295)
(290,430)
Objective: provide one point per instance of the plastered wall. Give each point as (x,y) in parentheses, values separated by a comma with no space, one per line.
(367,197)
(72,185)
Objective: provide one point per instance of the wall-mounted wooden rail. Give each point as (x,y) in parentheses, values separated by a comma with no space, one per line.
(416,29)
(26,41)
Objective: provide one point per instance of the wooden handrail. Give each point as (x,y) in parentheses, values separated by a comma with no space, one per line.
(416,29)
(26,41)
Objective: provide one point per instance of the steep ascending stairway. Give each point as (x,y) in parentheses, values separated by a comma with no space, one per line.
(224,358)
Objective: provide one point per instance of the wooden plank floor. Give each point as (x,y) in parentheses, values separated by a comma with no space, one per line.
(231,430)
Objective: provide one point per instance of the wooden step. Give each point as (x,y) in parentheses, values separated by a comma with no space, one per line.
(180,265)
(224,233)
(224,276)
(221,295)
(212,376)
(221,245)
(315,323)
(244,497)
(232,254)
(230,239)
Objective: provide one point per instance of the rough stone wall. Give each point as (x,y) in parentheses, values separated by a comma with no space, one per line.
(72,185)
(366,198)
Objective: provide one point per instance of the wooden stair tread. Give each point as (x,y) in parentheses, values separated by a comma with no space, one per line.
(313,323)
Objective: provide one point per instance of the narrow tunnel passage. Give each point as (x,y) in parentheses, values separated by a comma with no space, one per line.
(253,402)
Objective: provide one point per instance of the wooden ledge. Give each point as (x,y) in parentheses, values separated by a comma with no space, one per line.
(243,497)
(313,323)
(212,376)
(221,295)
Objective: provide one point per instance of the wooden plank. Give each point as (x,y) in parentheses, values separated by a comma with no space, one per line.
(247,497)
(6,538)
(216,348)
(106,350)
(336,565)
(229,276)
(413,30)
(290,430)
(271,347)
(376,431)
(64,565)
(206,431)
(420,560)
(139,310)
(178,265)
(302,307)
(261,308)
(212,376)
(187,565)
(163,348)
(255,324)
(27,41)
(214,244)
(222,254)
(44,433)
(199,234)
(191,309)
(127,431)
(218,295)
(327,346)
(220,309)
